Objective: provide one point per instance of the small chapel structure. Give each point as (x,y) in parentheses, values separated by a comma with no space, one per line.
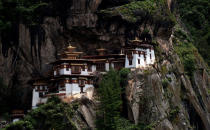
(73,74)
(139,54)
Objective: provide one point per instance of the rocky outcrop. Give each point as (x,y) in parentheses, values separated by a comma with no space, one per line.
(166,98)
(85,116)
(163,96)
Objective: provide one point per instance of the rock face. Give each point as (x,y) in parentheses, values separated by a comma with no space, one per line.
(167,100)
(167,105)
(84,118)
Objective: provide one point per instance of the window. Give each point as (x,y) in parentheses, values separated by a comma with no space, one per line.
(67,69)
(81,83)
(118,65)
(75,70)
(41,94)
(83,68)
(89,68)
(150,56)
(130,62)
(138,61)
(100,67)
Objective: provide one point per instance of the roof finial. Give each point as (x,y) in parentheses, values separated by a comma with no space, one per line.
(136,38)
(69,42)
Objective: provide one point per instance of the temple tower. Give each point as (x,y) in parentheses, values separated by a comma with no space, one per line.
(139,54)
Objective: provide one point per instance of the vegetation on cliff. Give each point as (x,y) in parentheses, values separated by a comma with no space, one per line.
(138,11)
(53,115)
(13,11)
(186,51)
(109,93)
(195,15)
(110,114)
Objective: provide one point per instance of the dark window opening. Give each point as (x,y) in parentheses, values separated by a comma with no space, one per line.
(83,68)
(138,61)
(89,68)
(81,83)
(130,62)
(41,94)
(100,67)
(75,70)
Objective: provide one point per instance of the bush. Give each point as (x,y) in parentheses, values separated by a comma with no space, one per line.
(165,83)
(20,125)
(174,113)
(186,51)
(124,76)
(52,115)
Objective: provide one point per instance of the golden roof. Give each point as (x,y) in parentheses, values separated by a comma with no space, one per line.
(70,47)
(136,40)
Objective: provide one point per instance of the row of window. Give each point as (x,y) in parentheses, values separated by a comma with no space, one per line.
(41,88)
(42,94)
(139,62)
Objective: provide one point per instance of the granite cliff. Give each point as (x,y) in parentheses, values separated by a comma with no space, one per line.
(170,95)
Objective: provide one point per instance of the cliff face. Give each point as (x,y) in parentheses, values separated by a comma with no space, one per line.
(163,95)
(169,99)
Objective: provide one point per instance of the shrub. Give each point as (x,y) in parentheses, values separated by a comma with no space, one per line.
(20,125)
(165,83)
(194,14)
(52,115)
(174,113)
(186,52)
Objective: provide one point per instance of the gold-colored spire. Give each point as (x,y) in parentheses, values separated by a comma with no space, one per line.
(70,46)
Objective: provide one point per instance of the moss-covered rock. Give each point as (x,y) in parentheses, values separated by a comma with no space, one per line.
(138,11)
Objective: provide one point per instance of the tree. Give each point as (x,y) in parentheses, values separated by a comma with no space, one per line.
(53,115)
(109,93)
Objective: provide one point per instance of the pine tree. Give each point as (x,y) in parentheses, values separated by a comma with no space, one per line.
(110,101)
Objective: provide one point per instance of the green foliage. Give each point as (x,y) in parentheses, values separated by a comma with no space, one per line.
(208,91)
(132,12)
(52,115)
(195,14)
(165,83)
(123,76)
(109,92)
(186,51)
(124,124)
(142,126)
(13,11)
(20,125)
(174,113)
(164,69)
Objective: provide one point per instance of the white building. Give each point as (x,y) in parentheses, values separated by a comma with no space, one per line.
(139,54)
(73,74)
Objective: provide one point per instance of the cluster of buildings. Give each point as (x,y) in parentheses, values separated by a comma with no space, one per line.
(73,74)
